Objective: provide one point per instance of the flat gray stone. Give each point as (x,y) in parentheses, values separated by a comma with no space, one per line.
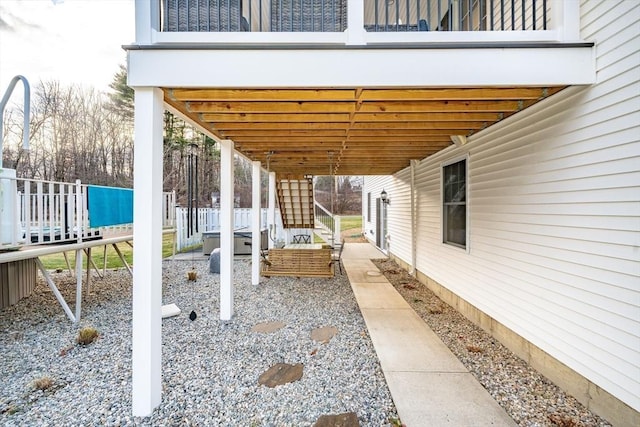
(324,334)
(281,373)
(348,419)
(268,327)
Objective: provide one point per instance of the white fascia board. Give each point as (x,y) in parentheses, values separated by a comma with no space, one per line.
(247,38)
(544,66)
(471,37)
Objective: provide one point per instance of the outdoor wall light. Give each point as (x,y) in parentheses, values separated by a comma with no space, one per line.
(384,197)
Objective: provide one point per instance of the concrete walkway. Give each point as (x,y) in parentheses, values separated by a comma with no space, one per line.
(428,384)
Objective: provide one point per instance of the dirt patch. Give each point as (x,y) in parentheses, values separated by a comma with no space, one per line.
(353,235)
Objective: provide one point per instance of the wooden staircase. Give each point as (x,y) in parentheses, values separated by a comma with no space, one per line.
(295,197)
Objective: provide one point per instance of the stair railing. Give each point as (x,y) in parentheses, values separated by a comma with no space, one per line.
(26,112)
(325,219)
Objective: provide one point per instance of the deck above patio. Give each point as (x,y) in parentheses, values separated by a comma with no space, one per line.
(357,22)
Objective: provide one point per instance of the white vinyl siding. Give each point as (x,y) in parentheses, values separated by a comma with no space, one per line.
(554,215)
(374,185)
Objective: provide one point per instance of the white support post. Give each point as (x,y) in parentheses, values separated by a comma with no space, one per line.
(147,20)
(565,20)
(56,292)
(147,233)
(226,229)
(78,283)
(256,232)
(271,211)
(337,238)
(355,22)
(414,165)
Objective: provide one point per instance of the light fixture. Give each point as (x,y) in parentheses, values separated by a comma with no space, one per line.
(384,197)
(459,140)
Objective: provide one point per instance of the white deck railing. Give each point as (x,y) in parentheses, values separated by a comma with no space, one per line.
(36,212)
(208,219)
(357,21)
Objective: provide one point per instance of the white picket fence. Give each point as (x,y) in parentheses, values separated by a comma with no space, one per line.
(208,219)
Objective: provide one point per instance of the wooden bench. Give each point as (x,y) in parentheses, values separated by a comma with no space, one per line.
(299,263)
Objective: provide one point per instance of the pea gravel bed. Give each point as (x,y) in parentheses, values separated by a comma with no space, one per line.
(526,395)
(210,367)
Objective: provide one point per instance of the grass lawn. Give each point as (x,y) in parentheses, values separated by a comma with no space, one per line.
(350,221)
(56,261)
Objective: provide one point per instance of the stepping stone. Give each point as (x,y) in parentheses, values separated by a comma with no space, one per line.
(324,334)
(348,419)
(281,373)
(268,327)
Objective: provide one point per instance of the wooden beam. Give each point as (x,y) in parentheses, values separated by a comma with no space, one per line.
(275,117)
(438,117)
(271,107)
(439,106)
(263,94)
(289,125)
(429,128)
(452,94)
(287,139)
(284,132)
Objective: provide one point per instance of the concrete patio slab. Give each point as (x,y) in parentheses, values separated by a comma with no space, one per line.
(403,342)
(361,251)
(385,296)
(358,271)
(428,384)
(436,399)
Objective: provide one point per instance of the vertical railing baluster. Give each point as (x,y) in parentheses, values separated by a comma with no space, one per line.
(406,3)
(376,14)
(386,16)
(524,22)
(27,212)
(397,14)
(450,9)
(513,15)
(260,17)
(418,14)
(502,15)
(544,14)
(50,212)
(533,15)
(208,15)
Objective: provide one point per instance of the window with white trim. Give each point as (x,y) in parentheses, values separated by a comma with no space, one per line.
(454,200)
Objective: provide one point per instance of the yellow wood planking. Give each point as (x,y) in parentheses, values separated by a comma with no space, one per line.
(263,94)
(274,117)
(446,94)
(271,107)
(438,106)
(467,116)
(369,130)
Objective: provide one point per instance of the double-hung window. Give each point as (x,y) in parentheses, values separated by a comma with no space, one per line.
(454,209)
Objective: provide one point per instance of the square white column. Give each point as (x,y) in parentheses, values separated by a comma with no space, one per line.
(226,229)
(147,257)
(271,211)
(256,239)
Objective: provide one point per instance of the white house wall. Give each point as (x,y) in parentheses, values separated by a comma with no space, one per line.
(554,215)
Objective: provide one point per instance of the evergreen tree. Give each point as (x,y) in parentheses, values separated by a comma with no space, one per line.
(122,96)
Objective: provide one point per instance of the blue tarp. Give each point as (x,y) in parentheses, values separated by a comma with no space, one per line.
(110,206)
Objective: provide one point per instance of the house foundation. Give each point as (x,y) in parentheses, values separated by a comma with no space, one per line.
(586,392)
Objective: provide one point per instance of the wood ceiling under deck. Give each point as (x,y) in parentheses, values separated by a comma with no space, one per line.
(357,131)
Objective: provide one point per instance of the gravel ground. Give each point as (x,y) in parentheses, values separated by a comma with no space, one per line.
(528,397)
(210,368)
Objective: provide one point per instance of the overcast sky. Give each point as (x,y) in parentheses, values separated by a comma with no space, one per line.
(73,41)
